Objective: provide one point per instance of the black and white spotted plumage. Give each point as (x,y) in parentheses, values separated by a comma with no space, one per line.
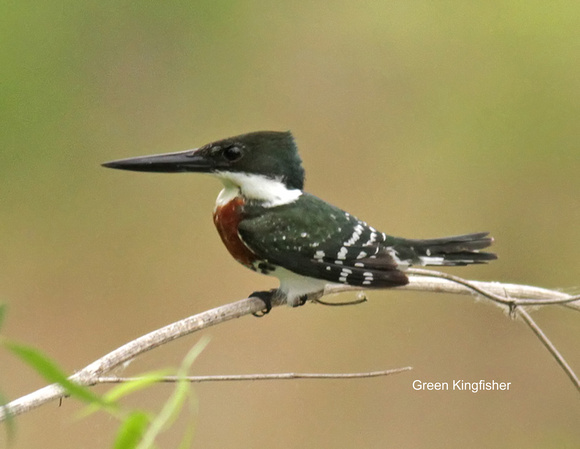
(315,239)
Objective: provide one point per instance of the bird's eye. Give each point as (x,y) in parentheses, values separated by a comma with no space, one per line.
(233,153)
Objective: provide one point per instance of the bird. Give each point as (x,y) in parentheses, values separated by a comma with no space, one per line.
(269,224)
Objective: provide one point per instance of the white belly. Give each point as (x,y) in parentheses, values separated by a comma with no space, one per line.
(295,285)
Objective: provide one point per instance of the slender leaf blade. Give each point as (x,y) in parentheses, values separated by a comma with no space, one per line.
(9,421)
(135,385)
(2,314)
(48,369)
(132,430)
(175,402)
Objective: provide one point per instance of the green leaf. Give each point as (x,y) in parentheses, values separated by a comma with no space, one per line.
(124,389)
(2,313)
(187,439)
(53,373)
(175,403)
(9,421)
(132,430)
(127,388)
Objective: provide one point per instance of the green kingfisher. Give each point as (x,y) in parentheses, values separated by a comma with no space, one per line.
(270,225)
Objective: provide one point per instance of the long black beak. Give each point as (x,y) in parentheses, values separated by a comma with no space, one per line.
(182,161)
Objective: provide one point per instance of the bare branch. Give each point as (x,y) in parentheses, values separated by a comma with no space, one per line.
(511,296)
(550,346)
(503,294)
(508,294)
(134,348)
(274,376)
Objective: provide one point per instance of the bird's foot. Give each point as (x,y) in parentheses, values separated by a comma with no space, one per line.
(298,301)
(302,300)
(266,296)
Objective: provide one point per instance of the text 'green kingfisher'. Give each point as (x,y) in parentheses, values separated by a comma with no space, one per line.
(270,225)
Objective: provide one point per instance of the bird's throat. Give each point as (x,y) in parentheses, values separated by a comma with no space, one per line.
(269,192)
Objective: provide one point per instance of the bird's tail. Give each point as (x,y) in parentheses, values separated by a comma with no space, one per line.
(448,251)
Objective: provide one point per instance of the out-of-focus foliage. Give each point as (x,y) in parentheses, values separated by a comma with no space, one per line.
(137,428)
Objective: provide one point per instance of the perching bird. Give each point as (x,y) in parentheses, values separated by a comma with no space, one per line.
(270,225)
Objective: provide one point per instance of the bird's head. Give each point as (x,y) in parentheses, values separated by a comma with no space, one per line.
(269,154)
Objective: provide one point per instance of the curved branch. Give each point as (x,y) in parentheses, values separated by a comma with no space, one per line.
(89,374)
(511,295)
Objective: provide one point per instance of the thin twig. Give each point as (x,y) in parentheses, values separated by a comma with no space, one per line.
(247,377)
(550,346)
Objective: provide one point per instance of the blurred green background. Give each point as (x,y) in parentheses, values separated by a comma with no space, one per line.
(423,118)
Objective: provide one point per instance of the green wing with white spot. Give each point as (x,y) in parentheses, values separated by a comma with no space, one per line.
(313,238)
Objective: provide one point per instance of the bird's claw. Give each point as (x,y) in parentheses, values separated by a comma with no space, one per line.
(266,297)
